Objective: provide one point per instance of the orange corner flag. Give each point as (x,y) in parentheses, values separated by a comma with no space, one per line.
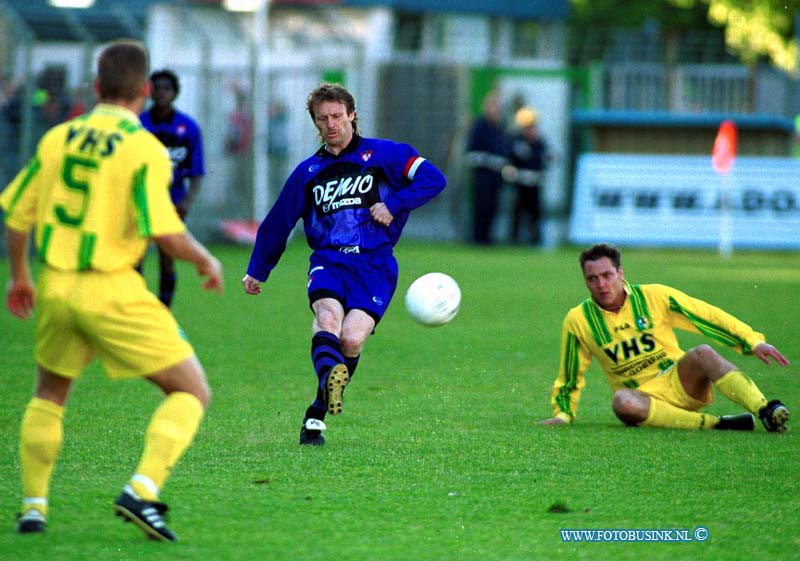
(724,151)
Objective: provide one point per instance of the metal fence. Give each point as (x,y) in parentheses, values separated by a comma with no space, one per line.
(696,88)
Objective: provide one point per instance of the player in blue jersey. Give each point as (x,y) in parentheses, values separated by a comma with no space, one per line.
(181,135)
(354,195)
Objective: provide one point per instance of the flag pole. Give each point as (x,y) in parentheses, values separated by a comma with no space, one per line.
(723,155)
(726,218)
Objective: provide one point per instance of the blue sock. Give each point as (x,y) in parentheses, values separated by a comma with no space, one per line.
(316,410)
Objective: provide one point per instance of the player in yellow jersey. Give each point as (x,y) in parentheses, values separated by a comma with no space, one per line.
(630,331)
(95,194)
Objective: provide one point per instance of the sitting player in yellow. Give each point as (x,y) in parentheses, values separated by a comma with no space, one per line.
(96,193)
(629,329)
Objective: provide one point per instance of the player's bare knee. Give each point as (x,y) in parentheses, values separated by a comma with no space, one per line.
(197,385)
(630,407)
(705,361)
(327,321)
(351,344)
(199,389)
(204,395)
(187,377)
(702,354)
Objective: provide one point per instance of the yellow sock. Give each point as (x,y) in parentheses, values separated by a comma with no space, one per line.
(667,416)
(41,435)
(171,430)
(739,388)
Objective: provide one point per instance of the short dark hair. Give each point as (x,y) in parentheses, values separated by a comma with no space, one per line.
(122,70)
(600,250)
(332,92)
(169,75)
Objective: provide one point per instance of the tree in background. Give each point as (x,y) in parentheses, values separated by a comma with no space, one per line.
(756,28)
(678,14)
(752,28)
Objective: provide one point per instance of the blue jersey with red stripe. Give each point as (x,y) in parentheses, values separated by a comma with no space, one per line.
(181,135)
(333,196)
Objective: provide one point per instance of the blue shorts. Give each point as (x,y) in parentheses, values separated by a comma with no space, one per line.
(365,281)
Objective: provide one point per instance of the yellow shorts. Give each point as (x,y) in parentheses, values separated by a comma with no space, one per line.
(667,387)
(111,316)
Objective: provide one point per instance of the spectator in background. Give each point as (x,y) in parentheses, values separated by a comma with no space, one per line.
(487,153)
(181,136)
(9,130)
(238,143)
(277,146)
(517,102)
(80,102)
(238,136)
(54,107)
(529,157)
(49,109)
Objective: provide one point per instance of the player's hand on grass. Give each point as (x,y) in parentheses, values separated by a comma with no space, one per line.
(20,299)
(251,285)
(553,421)
(766,353)
(211,268)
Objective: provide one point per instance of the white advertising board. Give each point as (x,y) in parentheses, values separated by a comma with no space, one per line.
(680,201)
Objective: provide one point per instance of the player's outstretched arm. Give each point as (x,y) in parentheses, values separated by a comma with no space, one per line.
(251,285)
(183,246)
(767,353)
(20,291)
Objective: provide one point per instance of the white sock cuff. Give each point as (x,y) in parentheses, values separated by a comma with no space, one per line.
(145,482)
(34,501)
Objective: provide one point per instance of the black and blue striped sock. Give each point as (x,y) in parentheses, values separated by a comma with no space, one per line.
(326,352)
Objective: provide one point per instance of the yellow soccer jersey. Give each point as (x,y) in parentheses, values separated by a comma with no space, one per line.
(95,191)
(635,344)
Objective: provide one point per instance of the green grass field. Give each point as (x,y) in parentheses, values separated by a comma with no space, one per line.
(437,455)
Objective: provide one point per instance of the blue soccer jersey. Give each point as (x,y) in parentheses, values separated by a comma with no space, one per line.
(333,196)
(181,135)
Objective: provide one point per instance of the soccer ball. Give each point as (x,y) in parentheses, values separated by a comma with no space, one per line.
(433,299)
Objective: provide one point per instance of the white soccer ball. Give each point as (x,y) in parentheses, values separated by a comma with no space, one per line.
(433,299)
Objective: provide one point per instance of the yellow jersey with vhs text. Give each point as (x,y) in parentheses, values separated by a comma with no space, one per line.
(95,191)
(637,343)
